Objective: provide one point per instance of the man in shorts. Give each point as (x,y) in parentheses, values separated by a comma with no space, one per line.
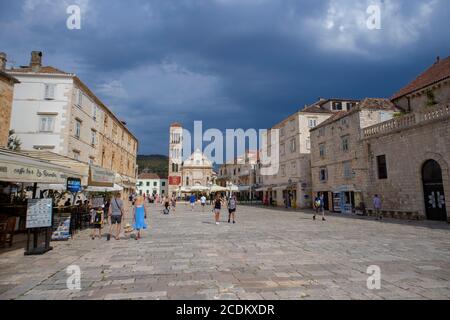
(192,201)
(116,213)
(203,202)
(232,205)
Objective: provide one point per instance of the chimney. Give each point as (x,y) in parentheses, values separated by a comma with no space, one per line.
(36,61)
(3,61)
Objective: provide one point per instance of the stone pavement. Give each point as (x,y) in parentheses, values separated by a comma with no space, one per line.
(268,254)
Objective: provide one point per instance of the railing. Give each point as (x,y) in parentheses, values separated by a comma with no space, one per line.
(407,121)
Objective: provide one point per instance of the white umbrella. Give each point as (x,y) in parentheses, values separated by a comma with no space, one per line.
(216,188)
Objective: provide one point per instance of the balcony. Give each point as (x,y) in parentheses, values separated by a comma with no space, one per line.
(427,115)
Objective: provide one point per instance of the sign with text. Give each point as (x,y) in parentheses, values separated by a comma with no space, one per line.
(98,202)
(73,185)
(14,172)
(39,213)
(99,177)
(174,181)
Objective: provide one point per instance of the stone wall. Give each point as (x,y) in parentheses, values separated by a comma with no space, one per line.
(6,99)
(406,152)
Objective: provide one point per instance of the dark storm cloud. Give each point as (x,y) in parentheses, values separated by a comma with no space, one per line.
(229,63)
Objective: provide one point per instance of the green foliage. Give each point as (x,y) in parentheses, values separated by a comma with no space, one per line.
(14,143)
(158,164)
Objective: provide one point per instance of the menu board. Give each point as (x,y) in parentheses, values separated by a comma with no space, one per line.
(39,213)
(97,202)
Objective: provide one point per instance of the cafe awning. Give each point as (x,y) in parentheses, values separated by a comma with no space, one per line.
(18,167)
(80,168)
(115,188)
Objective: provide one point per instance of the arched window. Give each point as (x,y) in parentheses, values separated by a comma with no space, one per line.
(187,181)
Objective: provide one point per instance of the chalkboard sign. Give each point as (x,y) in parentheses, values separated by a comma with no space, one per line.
(73,185)
(39,213)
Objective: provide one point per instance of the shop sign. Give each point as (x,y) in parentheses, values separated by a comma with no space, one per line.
(39,213)
(14,172)
(174,181)
(73,185)
(100,177)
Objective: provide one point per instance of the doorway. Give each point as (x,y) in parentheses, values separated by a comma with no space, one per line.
(433,189)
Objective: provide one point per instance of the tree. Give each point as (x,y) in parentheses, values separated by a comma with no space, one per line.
(14,142)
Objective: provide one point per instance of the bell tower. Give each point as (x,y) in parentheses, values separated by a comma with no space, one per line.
(175,158)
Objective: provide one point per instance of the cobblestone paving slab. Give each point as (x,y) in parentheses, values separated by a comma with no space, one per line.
(268,254)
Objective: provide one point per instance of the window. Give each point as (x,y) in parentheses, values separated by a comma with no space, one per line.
(49,91)
(46,124)
(350,105)
(293,145)
(382,167)
(337,106)
(94,112)
(294,167)
(345,143)
(163,184)
(187,181)
(323,174)
(322,150)
(76,155)
(155,184)
(321,132)
(292,125)
(282,132)
(347,170)
(312,123)
(141,183)
(283,171)
(282,149)
(91,161)
(77,129)
(148,184)
(308,144)
(344,122)
(93,137)
(80,98)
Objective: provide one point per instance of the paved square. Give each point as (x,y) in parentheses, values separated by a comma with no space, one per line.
(268,254)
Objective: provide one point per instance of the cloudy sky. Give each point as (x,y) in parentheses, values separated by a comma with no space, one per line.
(231,63)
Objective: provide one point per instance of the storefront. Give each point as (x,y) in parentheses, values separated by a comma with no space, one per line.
(346,199)
(19,176)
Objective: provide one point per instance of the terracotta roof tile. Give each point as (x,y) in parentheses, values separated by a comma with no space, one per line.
(315,109)
(49,70)
(437,72)
(148,176)
(368,103)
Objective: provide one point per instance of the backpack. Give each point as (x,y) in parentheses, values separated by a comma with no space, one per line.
(318,203)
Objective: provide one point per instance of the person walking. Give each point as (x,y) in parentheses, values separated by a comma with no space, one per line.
(377,206)
(139,216)
(217,208)
(116,214)
(203,202)
(174,203)
(97,221)
(319,205)
(192,201)
(232,206)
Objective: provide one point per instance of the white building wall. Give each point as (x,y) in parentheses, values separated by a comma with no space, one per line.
(30,104)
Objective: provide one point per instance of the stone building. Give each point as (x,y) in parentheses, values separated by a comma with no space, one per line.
(55,111)
(339,165)
(291,185)
(409,156)
(241,172)
(187,173)
(7,83)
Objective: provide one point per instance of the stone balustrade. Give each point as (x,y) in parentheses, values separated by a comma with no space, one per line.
(427,114)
